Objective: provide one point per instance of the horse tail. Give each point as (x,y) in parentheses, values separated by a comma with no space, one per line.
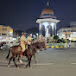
(8,54)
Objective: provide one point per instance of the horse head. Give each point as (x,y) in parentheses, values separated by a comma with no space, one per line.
(39,46)
(43,45)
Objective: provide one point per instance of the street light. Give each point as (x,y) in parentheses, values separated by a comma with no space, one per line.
(70,35)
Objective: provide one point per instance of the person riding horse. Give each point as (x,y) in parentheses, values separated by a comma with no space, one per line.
(29,52)
(23,42)
(20,49)
(29,41)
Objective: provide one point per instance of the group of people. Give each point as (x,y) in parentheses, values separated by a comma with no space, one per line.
(25,41)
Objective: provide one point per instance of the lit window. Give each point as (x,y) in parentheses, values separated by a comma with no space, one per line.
(4,29)
(4,34)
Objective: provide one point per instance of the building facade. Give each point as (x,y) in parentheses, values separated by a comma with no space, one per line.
(6,31)
(67,33)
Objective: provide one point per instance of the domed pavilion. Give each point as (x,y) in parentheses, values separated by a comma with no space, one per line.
(49,20)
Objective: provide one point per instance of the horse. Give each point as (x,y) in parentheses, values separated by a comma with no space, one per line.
(36,45)
(29,53)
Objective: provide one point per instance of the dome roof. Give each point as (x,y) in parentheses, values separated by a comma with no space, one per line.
(47,10)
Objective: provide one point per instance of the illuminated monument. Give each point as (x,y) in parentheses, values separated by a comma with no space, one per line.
(48,19)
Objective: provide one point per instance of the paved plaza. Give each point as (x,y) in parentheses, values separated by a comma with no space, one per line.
(50,62)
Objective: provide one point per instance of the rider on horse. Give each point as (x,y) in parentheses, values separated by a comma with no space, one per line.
(29,40)
(23,42)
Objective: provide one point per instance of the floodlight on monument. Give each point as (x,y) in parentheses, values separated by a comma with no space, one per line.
(52,24)
(37,34)
(45,24)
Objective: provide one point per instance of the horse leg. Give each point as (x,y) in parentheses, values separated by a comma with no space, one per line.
(8,55)
(15,62)
(35,58)
(9,61)
(16,55)
(20,59)
(30,60)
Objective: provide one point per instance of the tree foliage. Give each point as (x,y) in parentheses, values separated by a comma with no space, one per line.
(56,37)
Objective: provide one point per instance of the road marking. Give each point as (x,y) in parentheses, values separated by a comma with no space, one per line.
(44,64)
(73,63)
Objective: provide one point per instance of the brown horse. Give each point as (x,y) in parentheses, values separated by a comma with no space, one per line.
(14,50)
(35,46)
(29,52)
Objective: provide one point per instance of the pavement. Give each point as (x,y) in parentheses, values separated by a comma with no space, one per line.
(50,62)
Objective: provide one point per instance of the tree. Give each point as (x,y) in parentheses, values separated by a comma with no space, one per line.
(33,30)
(56,38)
(19,32)
(61,40)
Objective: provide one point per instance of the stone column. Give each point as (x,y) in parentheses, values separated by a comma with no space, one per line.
(40,30)
(55,29)
(46,32)
(49,30)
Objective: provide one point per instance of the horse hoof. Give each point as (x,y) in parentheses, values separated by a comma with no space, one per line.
(30,67)
(8,66)
(17,67)
(26,66)
(21,61)
(35,62)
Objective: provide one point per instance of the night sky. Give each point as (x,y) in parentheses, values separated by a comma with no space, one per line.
(22,14)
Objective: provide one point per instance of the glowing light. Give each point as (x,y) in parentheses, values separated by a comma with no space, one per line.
(46,29)
(37,34)
(10,32)
(52,24)
(45,24)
